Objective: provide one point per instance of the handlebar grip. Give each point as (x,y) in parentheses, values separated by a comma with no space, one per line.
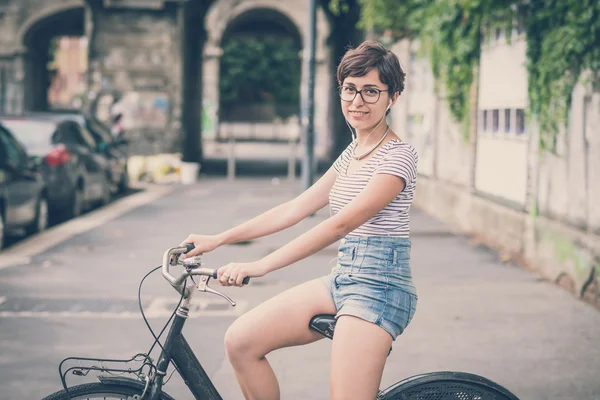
(245,281)
(189,247)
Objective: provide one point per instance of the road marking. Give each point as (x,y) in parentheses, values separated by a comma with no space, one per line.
(159,307)
(112,315)
(22,252)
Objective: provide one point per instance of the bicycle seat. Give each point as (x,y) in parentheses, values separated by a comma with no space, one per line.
(325,325)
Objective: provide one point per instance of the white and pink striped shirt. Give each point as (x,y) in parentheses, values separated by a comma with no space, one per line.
(395,158)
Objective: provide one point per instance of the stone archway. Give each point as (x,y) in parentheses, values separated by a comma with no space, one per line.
(292,17)
(260,68)
(34,38)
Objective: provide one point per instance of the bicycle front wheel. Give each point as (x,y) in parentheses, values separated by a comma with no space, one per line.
(113,391)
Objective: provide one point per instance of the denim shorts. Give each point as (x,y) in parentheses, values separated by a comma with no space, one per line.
(372,281)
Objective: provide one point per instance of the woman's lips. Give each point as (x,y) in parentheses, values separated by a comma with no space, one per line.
(357,114)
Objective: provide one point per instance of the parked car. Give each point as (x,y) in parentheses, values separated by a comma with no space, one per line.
(113,148)
(23,194)
(77,175)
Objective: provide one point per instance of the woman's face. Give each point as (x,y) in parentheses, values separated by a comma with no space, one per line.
(364,112)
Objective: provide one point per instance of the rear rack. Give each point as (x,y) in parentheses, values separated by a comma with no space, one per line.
(140,365)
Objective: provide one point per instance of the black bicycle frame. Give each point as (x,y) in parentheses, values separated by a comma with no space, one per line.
(177,350)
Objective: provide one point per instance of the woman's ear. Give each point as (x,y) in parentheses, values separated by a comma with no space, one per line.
(395,97)
(391,103)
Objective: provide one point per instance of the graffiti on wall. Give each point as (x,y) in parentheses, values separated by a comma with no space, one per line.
(138,109)
(143,109)
(209,119)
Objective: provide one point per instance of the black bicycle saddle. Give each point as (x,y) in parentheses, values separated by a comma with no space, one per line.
(325,325)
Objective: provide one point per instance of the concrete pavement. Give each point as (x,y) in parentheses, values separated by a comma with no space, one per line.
(475,313)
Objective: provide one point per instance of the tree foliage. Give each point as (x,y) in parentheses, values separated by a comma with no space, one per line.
(260,70)
(562,41)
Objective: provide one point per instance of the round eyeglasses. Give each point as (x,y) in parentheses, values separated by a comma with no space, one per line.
(369,95)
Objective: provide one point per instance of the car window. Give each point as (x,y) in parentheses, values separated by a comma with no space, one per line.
(31,133)
(99,130)
(72,132)
(87,137)
(13,150)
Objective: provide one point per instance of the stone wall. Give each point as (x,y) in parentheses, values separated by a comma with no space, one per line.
(135,61)
(158,63)
(558,252)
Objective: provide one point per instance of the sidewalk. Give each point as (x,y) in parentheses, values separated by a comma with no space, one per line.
(475,313)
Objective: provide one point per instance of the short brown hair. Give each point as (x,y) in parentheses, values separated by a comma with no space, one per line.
(368,55)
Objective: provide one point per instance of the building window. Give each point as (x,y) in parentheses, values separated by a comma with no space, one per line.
(484,121)
(507,128)
(412,70)
(495,120)
(520,119)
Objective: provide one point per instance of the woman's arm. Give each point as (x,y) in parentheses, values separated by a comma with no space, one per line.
(284,215)
(276,219)
(380,191)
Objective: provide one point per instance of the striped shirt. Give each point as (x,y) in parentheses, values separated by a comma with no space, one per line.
(395,158)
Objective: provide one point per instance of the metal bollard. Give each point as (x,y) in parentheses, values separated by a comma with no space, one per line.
(231,159)
(292,160)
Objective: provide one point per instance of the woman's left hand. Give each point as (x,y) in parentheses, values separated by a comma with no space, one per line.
(233,274)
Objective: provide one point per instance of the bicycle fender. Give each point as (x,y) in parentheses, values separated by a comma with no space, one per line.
(448,376)
(134,383)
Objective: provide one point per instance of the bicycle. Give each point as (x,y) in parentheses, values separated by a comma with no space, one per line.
(443,385)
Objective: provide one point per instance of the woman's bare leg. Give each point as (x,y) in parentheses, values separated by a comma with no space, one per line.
(358,356)
(281,321)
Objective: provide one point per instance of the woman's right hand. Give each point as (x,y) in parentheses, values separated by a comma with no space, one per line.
(202,244)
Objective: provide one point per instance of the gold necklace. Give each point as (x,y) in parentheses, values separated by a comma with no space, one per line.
(363,155)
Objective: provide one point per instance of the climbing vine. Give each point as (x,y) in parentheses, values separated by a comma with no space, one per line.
(562,42)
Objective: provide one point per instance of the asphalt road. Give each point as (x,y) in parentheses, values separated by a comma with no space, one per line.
(73,291)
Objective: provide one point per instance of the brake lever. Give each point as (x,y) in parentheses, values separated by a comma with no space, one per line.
(203,287)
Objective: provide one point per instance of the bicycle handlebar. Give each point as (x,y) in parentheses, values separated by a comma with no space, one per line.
(195,269)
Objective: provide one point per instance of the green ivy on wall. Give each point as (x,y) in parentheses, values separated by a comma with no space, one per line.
(562,41)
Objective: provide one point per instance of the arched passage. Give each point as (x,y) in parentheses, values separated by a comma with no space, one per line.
(40,39)
(285,18)
(260,67)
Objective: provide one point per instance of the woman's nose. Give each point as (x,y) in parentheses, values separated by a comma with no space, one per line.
(358,100)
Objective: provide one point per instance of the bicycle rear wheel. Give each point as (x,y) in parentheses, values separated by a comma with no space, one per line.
(446,386)
(113,391)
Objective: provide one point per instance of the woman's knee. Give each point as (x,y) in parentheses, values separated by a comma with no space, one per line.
(238,342)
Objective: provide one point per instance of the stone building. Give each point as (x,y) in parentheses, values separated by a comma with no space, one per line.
(159,59)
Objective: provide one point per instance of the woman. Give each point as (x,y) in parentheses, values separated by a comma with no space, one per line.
(369,189)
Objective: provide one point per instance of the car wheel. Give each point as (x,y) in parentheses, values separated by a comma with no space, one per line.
(106,192)
(41,217)
(77,202)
